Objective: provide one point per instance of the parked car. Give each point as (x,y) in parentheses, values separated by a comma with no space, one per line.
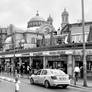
(50,77)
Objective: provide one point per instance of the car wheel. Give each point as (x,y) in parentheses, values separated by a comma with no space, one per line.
(31,81)
(46,84)
(64,86)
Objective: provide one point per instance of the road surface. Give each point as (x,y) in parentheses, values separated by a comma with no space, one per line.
(6,86)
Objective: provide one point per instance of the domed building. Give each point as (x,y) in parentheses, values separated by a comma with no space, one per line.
(35,22)
(36,28)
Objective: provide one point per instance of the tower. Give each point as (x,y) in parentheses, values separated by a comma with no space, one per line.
(50,20)
(64,18)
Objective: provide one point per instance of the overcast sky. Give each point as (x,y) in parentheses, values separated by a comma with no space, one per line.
(19,12)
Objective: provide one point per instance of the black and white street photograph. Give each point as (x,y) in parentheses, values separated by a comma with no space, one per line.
(45,46)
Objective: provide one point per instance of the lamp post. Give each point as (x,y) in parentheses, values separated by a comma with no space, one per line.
(84,50)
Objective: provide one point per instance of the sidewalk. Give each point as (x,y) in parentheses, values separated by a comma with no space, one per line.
(24,79)
(79,83)
(10,78)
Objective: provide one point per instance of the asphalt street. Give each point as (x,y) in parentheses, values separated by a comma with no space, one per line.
(6,86)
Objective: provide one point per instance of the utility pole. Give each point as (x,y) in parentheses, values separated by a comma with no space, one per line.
(13,46)
(84,50)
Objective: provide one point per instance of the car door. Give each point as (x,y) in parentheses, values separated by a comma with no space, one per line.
(42,76)
(36,77)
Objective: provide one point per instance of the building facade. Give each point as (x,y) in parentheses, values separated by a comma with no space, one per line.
(49,52)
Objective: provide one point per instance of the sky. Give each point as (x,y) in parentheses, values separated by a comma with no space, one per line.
(19,12)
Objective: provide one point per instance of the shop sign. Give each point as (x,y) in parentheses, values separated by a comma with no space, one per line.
(25,54)
(18,55)
(57,58)
(46,53)
(57,52)
(77,52)
(10,55)
(37,53)
(69,52)
(31,54)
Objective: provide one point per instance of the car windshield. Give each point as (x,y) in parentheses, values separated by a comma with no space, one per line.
(57,72)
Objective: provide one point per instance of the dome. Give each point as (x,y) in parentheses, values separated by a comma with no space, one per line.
(65,13)
(36,21)
(36,18)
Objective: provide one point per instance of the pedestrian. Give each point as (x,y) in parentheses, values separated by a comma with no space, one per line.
(81,71)
(28,68)
(17,82)
(76,71)
(21,69)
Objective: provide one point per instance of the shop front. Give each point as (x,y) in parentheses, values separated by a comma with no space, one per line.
(89,66)
(58,62)
(37,62)
(78,60)
(58,59)
(6,63)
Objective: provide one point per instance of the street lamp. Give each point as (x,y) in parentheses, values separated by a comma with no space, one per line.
(84,50)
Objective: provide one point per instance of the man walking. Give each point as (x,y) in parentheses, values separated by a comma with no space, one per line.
(76,71)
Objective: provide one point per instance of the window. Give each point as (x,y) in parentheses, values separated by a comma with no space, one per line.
(38,73)
(44,72)
(33,40)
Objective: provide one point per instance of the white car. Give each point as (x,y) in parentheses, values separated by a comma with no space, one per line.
(50,77)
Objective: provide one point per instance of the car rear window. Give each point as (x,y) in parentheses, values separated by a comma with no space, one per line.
(57,72)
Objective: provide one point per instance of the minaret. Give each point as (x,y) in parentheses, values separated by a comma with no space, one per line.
(50,20)
(64,18)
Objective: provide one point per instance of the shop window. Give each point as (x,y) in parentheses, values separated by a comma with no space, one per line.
(89,62)
(89,66)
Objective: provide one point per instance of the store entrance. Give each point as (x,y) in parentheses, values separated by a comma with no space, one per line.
(58,65)
(37,63)
(25,63)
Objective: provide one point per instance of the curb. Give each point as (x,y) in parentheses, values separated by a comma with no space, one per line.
(77,86)
(7,79)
